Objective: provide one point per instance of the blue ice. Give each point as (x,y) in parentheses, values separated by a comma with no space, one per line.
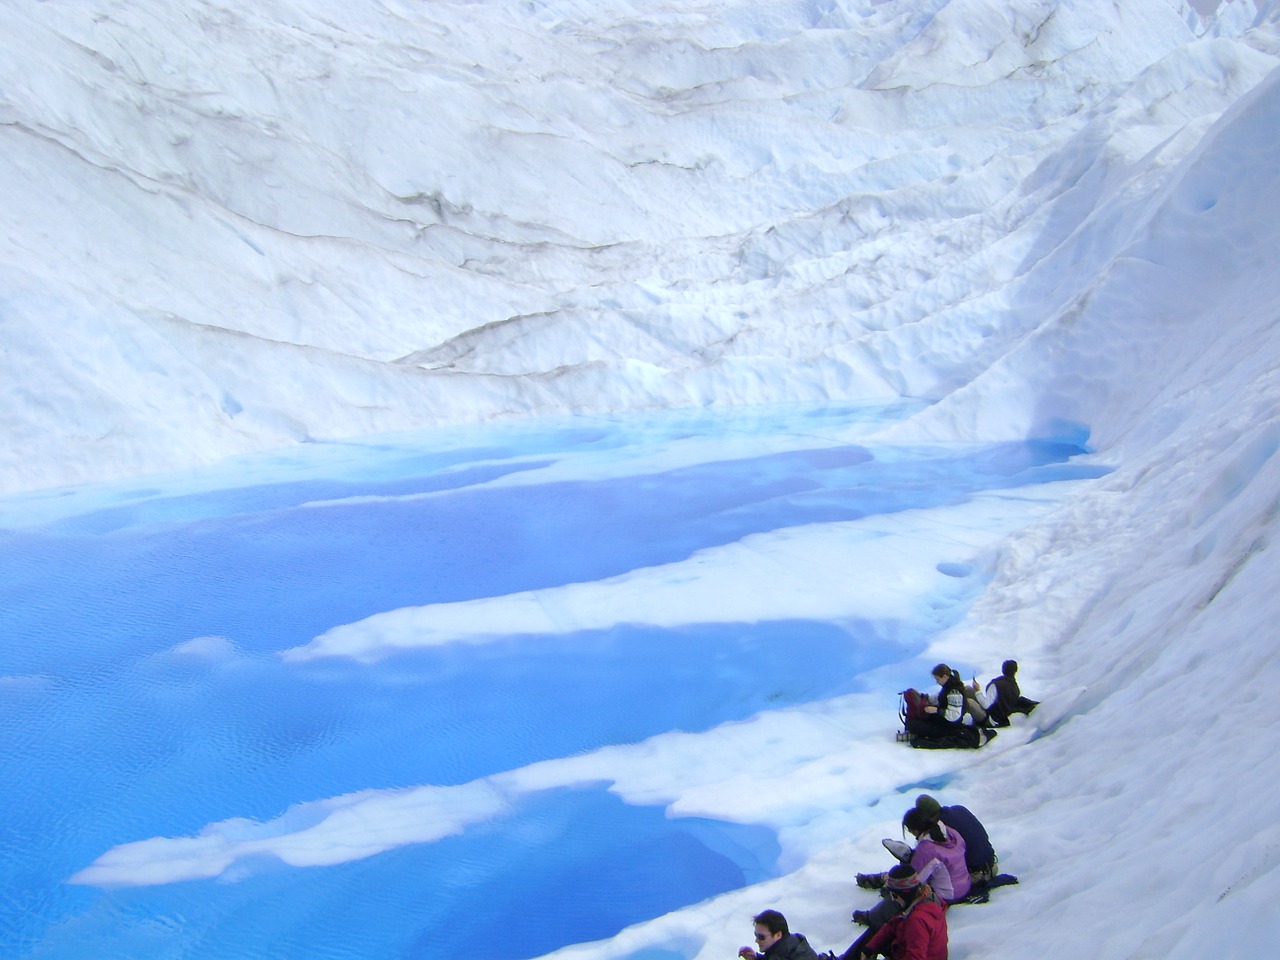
(112,734)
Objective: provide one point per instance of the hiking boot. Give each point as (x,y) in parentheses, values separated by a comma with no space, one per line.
(870,881)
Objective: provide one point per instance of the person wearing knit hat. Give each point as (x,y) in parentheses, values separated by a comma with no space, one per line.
(919,931)
(979,855)
(902,880)
(901,885)
(929,805)
(937,859)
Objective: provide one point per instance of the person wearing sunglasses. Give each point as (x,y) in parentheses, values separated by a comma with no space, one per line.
(775,941)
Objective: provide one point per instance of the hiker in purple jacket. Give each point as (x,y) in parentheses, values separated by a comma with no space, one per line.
(938,842)
(938,859)
(979,855)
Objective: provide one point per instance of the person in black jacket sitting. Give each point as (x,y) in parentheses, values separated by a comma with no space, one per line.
(775,941)
(942,719)
(1003,696)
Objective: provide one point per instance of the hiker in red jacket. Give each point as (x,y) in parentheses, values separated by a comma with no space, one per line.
(920,931)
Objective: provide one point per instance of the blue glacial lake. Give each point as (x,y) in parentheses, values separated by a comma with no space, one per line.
(110,734)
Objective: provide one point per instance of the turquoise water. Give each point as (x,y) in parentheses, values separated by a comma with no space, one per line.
(110,737)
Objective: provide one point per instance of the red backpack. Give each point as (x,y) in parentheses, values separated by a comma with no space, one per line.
(910,706)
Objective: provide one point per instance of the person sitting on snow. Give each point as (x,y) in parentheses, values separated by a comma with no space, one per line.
(941,721)
(1003,697)
(979,855)
(918,932)
(775,941)
(937,859)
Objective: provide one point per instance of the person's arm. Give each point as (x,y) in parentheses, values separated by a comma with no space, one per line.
(922,855)
(929,869)
(1001,692)
(926,853)
(986,696)
(881,939)
(913,938)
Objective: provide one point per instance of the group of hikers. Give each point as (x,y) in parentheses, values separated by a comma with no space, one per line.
(952,860)
(960,714)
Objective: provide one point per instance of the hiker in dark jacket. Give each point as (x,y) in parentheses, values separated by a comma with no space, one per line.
(775,941)
(1003,696)
(944,712)
(979,855)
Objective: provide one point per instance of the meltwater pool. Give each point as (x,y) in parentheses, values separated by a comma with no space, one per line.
(287,707)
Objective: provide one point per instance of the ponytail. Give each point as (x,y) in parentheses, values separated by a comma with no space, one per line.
(916,821)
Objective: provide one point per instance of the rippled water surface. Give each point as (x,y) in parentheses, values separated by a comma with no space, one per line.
(142,695)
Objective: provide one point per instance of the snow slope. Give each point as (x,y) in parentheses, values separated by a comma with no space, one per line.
(230,227)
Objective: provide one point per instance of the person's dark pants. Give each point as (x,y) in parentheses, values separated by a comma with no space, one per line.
(877,917)
(931,727)
(882,913)
(855,948)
